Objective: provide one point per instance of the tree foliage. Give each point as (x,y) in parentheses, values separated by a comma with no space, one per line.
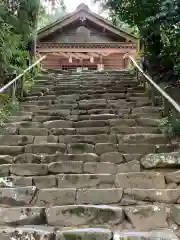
(57,11)
(18,20)
(158,22)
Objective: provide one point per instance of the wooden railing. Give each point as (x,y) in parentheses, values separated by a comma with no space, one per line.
(170,106)
(13,84)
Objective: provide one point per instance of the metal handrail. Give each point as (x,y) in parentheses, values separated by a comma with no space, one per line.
(164,94)
(21,75)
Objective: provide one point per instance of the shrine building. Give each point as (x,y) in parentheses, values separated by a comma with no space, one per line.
(83,39)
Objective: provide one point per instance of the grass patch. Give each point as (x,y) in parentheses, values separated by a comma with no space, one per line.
(170,127)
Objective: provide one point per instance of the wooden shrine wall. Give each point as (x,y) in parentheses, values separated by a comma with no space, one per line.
(113,61)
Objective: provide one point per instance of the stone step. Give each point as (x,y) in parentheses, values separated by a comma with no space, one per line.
(104,116)
(71,196)
(63,166)
(150,161)
(99,114)
(91,139)
(86,105)
(23,124)
(84,153)
(94,84)
(37,102)
(147,122)
(60,106)
(52,144)
(143,138)
(89,91)
(63,181)
(84,233)
(165,234)
(62,113)
(128,198)
(30,108)
(88,163)
(25,117)
(30,98)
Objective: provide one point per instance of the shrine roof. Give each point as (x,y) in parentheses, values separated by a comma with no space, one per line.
(82,11)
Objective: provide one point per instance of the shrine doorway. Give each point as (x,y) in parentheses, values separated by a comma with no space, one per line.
(75,67)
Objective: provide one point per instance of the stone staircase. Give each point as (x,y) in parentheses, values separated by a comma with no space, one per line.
(84,160)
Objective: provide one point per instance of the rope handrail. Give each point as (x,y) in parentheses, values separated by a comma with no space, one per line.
(21,75)
(164,94)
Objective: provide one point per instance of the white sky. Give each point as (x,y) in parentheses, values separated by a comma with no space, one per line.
(72,5)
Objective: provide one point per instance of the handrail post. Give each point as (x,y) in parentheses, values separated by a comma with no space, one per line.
(22,86)
(13,93)
(137,75)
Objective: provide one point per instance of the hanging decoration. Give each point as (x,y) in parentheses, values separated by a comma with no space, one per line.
(91,59)
(70,59)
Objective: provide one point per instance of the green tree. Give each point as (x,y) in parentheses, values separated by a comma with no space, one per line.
(18,20)
(56,12)
(158,25)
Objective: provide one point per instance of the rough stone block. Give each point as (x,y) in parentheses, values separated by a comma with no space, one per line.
(48,148)
(101,148)
(85,234)
(131,157)
(142,180)
(5,170)
(62,131)
(16,181)
(144,138)
(22,216)
(27,158)
(161,160)
(6,159)
(29,169)
(136,148)
(90,123)
(103,167)
(84,180)
(151,235)
(59,157)
(78,215)
(58,124)
(153,195)
(45,139)
(91,139)
(24,124)
(15,140)
(56,196)
(27,232)
(133,130)
(99,196)
(147,217)
(133,166)
(44,181)
(11,150)
(148,122)
(114,157)
(17,196)
(77,148)
(93,130)
(66,167)
(173,177)
(122,122)
(33,131)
